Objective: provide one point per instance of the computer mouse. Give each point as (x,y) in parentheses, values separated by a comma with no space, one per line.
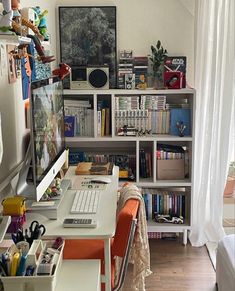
(102,180)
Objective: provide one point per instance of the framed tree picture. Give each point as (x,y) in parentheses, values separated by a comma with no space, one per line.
(88,37)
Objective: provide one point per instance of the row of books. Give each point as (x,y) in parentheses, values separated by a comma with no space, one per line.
(103,122)
(156,121)
(163,155)
(163,235)
(125,161)
(79,118)
(164,202)
(145,162)
(151,102)
(103,118)
(170,152)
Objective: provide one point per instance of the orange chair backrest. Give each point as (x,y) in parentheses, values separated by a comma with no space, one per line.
(124,220)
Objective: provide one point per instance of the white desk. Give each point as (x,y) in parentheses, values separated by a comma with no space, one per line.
(105,216)
(79,275)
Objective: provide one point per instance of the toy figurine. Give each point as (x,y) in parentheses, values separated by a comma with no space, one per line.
(6,17)
(13,21)
(40,22)
(181,127)
(63,71)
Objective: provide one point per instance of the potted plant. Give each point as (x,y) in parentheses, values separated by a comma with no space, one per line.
(157,57)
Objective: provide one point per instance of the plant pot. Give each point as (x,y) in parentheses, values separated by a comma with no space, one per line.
(159,78)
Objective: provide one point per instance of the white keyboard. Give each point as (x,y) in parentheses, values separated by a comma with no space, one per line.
(85,201)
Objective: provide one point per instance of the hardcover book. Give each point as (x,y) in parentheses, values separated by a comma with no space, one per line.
(69,122)
(182,116)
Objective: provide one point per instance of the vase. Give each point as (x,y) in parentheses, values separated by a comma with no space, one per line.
(159,78)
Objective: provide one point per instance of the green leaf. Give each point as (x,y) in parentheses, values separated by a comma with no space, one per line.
(158,44)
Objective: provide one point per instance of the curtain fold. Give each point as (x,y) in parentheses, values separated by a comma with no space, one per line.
(214,119)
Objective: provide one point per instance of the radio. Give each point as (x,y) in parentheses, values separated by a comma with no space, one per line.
(82,77)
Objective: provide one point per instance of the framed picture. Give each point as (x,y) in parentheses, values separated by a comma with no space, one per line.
(88,37)
(11,63)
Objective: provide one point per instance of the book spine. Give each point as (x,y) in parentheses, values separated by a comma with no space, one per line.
(98,123)
(103,122)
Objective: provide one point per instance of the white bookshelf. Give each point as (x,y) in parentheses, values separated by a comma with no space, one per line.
(114,144)
(14,39)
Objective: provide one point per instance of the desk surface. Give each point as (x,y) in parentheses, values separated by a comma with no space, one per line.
(105,216)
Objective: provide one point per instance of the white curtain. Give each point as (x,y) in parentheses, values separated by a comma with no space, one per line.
(214,120)
(1,145)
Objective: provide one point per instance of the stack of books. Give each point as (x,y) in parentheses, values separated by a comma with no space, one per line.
(125,70)
(141,72)
(91,168)
(166,202)
(79,118)
(145,112)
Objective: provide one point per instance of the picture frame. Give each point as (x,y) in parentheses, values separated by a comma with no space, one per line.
(11,63)
(88,38)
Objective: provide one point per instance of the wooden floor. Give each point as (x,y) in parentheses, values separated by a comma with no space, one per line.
(177,268)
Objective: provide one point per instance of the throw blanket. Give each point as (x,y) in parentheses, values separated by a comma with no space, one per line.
(140,255)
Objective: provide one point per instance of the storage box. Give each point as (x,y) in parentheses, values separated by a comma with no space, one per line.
(34,283)
(170,169)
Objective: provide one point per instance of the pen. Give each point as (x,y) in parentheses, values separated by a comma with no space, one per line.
(22,265)
(14,264)
(4,264)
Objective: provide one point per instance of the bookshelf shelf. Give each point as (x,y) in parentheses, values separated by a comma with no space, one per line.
(14,39)
(134,152)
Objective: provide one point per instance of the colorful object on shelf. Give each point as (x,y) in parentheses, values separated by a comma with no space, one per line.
(181,127)
(169,219)
(175,66)
(63,71)
(40,22)
(173,79)
(54,191)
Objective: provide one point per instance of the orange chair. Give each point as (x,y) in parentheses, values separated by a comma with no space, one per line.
(120,245)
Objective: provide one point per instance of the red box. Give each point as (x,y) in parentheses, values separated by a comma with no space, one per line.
(173,79)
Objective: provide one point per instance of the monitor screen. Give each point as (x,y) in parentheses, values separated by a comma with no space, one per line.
(47,127)
(46,152)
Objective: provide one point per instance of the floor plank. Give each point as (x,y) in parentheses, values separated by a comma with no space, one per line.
(177,268)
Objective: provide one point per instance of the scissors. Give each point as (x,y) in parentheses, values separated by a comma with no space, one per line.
(36,230)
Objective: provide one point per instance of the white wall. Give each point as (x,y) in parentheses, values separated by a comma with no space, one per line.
(13,121)
(139,24)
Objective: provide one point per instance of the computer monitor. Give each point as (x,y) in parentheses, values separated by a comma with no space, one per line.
(46,153)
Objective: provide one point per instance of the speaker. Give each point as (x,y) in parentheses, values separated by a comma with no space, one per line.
(89,77)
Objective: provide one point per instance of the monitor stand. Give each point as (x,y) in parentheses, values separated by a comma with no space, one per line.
(24,187)
(27,189)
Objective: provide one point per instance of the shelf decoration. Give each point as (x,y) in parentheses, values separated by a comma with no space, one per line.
(157,57)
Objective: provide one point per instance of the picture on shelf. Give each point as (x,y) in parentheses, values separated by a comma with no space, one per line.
(90,39)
